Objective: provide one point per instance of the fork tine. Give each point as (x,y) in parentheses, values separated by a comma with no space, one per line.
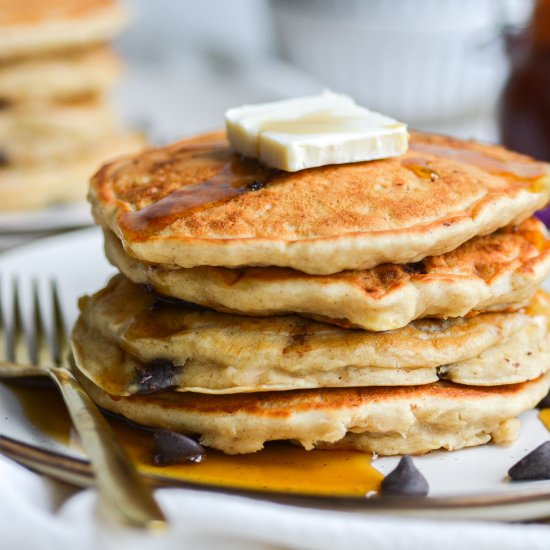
(119,483)
(60,344)
(40,352)
(19,350)
(10,330)
(3,334)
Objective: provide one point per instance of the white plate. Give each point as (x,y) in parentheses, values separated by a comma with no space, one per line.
(76,260)
(63,216)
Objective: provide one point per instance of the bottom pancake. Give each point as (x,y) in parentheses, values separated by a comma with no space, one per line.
(386,421)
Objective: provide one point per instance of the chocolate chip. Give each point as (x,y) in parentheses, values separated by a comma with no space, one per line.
(256,185)
(442,371)
(417,268)
(405,480)
(535,465)
(148,288)
(162,302)
(171,447)
(545,402)
(157,375)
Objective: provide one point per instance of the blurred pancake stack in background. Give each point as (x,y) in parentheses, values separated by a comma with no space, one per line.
(57,123)
(388,306)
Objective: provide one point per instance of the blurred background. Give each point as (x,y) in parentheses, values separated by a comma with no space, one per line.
(435,64)
(472,68)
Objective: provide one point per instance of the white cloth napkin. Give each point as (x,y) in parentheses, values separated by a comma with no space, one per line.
(38,513)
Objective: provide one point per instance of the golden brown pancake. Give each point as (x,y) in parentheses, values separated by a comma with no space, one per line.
(127,341)
(23,188)
(196,203)
(48,132)
(59,76)
(386,421)
(30,27)
(499,271)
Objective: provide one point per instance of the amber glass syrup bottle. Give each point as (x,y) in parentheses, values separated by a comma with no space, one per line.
(524,114)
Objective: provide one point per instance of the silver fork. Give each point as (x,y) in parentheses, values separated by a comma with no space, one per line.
(27,352)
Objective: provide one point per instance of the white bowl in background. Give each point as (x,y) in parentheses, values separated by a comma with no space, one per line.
(417,60)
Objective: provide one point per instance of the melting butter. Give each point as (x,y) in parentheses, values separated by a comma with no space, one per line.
(307,132)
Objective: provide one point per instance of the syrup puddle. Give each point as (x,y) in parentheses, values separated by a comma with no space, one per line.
(544,417)
(280,467)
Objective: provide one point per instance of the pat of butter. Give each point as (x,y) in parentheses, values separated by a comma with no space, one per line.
(313,131)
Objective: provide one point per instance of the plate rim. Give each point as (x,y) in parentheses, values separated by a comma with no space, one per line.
(79,472)
(46,219)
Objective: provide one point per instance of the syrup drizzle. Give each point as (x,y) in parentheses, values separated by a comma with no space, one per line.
(519,170)
(420,166)
(280,467)
(236,176)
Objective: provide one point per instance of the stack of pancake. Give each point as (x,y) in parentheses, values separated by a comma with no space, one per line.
(388,306)
(56,120)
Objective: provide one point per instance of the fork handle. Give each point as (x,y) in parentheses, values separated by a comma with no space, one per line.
(116,477)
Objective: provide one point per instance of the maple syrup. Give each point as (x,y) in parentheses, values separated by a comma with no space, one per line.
(536,238)
(539,304)
(280,467)
(234,176)
(420,166)
(544,416)
(525,171)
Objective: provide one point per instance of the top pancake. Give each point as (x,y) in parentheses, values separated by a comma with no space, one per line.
(196,203)
(30,27)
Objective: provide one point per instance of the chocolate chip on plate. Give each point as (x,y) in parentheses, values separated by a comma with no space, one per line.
(405,480)
(545,402)
(535,465)
(172,447)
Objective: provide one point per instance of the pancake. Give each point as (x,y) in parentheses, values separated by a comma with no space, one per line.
(48,132)
(196,203)
(496,272)
(59,76)
(385,421)
(31,27)
(23,188)
(127,342)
